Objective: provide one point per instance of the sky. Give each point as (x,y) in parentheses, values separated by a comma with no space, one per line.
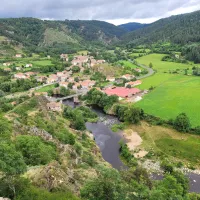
(113,11)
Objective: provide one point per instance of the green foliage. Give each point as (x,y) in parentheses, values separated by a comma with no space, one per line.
(64,91)
(5,127)
(76,69)
(133,115)
(76,117)
(34,150)
(66,137)
(95,97)
(182,123)
(23,190)
(117,127)
(11,161)
(167,167)
(105,187)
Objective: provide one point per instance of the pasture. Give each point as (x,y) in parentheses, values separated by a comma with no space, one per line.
(46,88)
(127,64)
(173,93)
(167,142)
(163,66)
(42,62)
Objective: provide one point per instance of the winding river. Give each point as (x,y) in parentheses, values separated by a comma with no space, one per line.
(108,142)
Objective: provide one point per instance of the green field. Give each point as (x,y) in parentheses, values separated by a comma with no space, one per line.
(169,143)
(162,66)
(46,88)
(127,64)
(42,62)
(173,93)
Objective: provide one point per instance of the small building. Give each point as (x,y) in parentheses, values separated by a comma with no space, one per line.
(63,84)
(128,76)
(138,70)
(6,64)
(41,79)
(64,77)
(21,76)
(18,55)
(28,65)
(110,78)
(64,57)
(86,84)
(30,73)
(52,78)
(76,86)
(18,68)
(7,69)
(133,83)
(122,92)
(54,106)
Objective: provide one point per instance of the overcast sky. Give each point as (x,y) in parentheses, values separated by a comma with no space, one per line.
(114,11)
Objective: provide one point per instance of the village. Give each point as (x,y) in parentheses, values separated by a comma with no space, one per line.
(79,79)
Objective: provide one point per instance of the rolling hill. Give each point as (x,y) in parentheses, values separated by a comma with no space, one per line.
(180,29)
(132,26)
(39,35)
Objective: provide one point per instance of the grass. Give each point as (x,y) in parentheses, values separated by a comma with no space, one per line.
(167,142)
(174,93)
(162,66)
(128,64)
(46,88)
(42,62)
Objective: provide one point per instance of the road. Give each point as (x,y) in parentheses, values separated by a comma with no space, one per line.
(150,70)
(19,94)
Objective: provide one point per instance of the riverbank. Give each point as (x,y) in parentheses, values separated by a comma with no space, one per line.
(137,141)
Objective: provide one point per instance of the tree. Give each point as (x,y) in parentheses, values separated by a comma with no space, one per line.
(150,65)
(64,91)
(79,122)
(182,123)
(108,185)
(2,93)
(34,151)
(76,69)
(11,161)
(133,115)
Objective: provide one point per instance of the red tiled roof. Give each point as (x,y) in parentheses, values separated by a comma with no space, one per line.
(122,91)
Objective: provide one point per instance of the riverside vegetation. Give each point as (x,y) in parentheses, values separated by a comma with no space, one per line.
(50,155)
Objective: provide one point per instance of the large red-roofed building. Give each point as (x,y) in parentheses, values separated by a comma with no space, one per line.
(122,91)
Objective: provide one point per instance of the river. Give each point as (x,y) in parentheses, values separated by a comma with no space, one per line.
(108,142)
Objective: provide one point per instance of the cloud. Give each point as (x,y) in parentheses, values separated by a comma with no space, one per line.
(114,11)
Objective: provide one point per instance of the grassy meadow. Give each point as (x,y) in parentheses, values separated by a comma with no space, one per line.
(162,66)
(173,93)
(169,143)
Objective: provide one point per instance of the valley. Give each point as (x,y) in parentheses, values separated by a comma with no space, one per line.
(94,111)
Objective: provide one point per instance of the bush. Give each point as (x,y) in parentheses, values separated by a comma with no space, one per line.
(167,167)
(34,150)
(182,123)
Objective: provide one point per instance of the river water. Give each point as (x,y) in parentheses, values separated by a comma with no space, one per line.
(108,142)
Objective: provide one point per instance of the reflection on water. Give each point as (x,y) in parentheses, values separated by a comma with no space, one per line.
(108,142)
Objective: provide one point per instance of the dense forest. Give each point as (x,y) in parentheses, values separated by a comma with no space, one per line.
(132,26)
(59,36)
(180,29)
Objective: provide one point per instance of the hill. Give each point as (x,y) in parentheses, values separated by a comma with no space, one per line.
(132,26)
(61,36)
(181,29)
